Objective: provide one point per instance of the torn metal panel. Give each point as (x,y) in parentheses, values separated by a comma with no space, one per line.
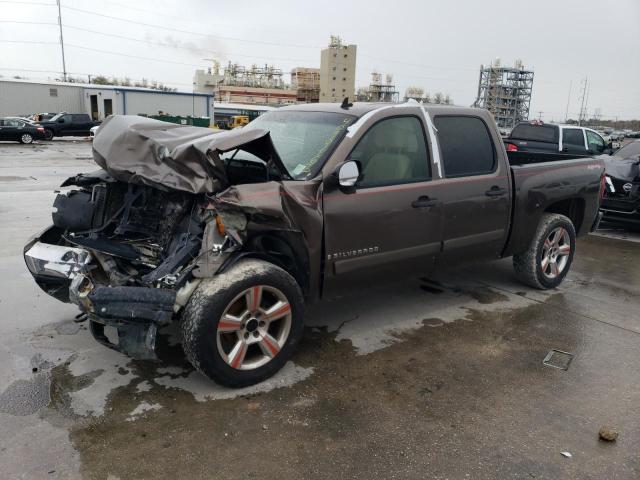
(167,156)
(292,209)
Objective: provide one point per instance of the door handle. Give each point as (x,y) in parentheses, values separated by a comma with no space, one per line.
(424,202)
(496,191)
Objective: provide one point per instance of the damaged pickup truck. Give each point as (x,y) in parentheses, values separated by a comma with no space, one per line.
(231,233)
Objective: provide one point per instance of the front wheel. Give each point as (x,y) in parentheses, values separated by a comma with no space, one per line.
(240,327)
(48,134)
(550,254)
(26,138)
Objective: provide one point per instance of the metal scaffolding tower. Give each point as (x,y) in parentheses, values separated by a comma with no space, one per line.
(380,91)
(505,92)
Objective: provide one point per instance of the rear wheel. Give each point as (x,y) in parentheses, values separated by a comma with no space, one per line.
(241,326)
(548,259)
(26,138)
(48,134)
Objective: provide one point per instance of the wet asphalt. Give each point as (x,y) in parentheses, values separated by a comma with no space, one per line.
(439,377)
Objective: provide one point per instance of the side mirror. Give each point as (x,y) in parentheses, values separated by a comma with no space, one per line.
(348,174)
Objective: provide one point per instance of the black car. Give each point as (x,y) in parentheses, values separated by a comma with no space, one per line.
(621,203)
(20,130)
(68,125)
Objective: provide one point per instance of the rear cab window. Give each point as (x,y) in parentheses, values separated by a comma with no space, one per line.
(535,133)
(466,145)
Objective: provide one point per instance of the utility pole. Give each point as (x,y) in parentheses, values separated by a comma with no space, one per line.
(584,94)
(540,115)
(566,112)
(64,65)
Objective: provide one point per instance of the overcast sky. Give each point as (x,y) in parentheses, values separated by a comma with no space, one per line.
(434,44)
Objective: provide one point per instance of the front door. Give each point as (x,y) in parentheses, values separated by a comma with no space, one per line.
(390,227)
(108,107)
(95,114)
(475,190)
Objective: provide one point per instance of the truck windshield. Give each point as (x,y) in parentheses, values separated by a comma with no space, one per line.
(303,139)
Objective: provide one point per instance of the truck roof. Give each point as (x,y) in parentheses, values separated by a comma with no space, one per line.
(358,109)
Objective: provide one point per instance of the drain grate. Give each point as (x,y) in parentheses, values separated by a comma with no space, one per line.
(558,359)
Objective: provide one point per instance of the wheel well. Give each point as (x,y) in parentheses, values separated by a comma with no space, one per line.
(573,208)
(290,254)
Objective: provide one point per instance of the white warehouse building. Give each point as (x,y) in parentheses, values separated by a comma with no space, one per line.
(25,97)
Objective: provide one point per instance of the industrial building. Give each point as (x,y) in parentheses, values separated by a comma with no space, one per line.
(25,97)
(379,90)
(337,71)
(306,83)
(505,92)
(238,84)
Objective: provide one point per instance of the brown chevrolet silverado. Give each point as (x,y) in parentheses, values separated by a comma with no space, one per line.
(231,233)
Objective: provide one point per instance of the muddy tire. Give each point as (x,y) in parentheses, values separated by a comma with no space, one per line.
(548,259)
(48,134)
(240,327)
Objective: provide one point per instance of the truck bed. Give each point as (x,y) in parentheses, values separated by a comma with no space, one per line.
(525,158)
(554,182)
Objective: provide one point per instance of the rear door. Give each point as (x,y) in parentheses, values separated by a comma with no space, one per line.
(391,226)
(573,141)
(10,129)
(81,124)
(3,132)
(475,191)
(65,125)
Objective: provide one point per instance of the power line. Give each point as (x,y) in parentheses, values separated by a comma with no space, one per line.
(28,3)
(188,32)
(133,56)
(36,42)
(25,22)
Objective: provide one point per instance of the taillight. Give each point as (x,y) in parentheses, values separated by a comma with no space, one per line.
(511,147)
(40,129)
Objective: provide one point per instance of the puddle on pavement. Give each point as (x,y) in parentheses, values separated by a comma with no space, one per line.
(392,397)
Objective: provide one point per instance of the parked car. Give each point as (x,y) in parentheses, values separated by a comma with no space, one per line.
(41,117)
(20,130)
(68,124)
(537,136)
(232,232)
(621,203)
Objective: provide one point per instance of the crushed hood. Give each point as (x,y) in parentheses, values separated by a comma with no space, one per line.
(168,156)
(626,169)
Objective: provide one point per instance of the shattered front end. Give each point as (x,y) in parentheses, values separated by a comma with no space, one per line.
(123,254)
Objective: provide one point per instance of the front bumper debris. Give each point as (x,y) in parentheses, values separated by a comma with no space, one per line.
(54,266)
(135,312)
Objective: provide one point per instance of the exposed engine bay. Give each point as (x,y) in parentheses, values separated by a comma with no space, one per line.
(130,243)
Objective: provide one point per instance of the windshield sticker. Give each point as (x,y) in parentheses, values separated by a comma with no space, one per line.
(299,169)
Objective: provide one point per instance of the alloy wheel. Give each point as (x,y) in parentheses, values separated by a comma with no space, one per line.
(26,138)
(254,327)
(555,253)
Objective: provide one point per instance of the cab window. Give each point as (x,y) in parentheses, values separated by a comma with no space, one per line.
(573,136)
(466,145)
(391,152)
(595,142)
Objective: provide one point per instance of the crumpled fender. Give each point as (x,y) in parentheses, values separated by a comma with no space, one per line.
(287,211)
